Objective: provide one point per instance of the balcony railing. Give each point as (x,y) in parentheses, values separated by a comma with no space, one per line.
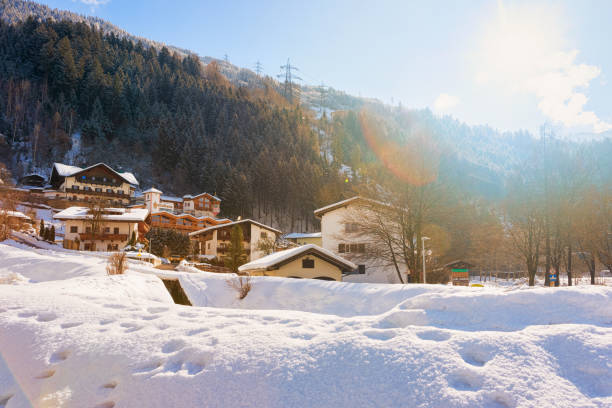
(89,180)
(94,192)
(159,224)
(87,236)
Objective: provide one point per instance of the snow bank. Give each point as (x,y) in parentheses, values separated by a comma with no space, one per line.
(84,339)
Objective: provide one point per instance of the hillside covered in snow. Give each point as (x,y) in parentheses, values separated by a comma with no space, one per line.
(71,336)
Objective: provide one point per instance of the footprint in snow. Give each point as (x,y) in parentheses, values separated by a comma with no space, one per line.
(465,380)
(173,345)
(106,321)
(382,335)
(197,331)
(150,366)
(131,327)
(46,317)
(59,356)
(476,354)
(45,374)
(26,314)
(153,317)
(157,309)
(70,325)
(433,335)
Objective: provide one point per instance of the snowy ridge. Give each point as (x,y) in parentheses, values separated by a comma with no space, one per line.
(82,339)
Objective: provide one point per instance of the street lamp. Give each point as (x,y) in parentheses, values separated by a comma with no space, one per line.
(423,239)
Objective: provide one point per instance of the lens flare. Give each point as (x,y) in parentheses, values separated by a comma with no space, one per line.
(414,161)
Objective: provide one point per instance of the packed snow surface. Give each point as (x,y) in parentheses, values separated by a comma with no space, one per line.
(70,336)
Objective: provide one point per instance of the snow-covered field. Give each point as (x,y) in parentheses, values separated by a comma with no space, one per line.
(70,336)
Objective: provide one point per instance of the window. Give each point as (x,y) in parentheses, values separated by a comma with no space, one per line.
(104,179)
(263,234)
(119,191)
(98,189)
(116,230)
(165,220)
(107,230)
(341,248)
(109,190)
(208,245)
(75,187)
(155,218)
(307,263)
(93,178)
(82,177)
(351,227)
(74,229)
(361,248)
(361,269)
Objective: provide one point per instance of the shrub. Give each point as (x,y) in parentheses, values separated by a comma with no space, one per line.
(241,284)
(117,264)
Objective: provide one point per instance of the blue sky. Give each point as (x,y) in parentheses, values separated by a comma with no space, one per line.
(511,64)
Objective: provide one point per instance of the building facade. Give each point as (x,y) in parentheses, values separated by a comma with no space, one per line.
(94,183)
(201,205)
(304,262)
(185,223)
(304,238)
(112,232)
(344,238)
(214,241)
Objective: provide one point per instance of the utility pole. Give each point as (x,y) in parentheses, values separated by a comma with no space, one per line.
(322,93)
(289,77)
(546,212)
(226,58)
(423,239)
(258,68)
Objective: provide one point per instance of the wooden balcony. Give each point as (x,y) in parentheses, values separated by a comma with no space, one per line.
(71,190)
(181,227)
(102,237)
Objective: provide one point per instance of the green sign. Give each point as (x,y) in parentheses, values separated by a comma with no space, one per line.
(459,270)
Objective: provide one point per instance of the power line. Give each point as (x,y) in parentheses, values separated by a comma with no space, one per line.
(258,68)
(288,89)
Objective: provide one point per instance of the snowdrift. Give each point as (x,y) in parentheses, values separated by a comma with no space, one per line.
(72,337)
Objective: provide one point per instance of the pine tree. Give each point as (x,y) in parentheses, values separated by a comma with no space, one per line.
(236,254)
(41,231)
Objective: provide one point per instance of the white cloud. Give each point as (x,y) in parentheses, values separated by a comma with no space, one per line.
(444,102)
(524,50)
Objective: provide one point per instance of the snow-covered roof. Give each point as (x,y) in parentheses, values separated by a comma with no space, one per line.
(297,235)
(152,190)
(184,215)
(171,198)
(16,214)
(320,211)
(65,170)
(109,214)
(281,257)
(234,223)
(189,196)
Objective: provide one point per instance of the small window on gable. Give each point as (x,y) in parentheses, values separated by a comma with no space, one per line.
(74,229)
(264,234)
(308,263)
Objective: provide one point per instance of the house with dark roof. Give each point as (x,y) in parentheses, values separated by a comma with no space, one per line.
(94,183)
